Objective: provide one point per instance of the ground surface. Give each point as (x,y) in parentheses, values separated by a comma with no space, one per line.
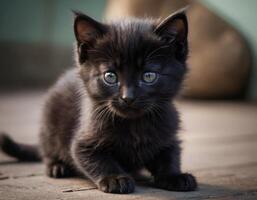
(219,141)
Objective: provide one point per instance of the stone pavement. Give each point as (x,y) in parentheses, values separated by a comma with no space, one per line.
(219,142)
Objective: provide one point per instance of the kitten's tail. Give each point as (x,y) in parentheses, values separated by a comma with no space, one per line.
(22,152)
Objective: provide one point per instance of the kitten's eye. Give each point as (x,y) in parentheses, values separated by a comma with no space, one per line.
(149,77)
(110,78)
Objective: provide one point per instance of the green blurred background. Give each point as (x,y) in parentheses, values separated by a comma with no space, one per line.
(36,37)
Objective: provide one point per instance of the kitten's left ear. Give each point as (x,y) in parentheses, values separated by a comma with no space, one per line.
(174,27)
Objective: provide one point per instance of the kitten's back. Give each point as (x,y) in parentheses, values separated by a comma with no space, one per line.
(61,115)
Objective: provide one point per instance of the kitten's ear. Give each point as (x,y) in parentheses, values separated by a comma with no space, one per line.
(86,31)
(86,28)
(174,27)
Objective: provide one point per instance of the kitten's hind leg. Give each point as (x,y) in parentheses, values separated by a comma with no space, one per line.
(57,169)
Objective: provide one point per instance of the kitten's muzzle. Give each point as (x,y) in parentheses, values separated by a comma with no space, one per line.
(128,101)
(127,107)
(128,96)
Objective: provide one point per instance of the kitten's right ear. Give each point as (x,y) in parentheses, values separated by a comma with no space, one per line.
(86,31)
(174,29)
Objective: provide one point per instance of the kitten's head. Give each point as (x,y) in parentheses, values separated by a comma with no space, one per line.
(133,66)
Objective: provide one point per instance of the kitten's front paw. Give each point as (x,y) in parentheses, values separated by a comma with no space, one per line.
(117,184)
(180,182)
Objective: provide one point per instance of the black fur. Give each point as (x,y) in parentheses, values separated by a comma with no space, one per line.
(90,128)
(22,152)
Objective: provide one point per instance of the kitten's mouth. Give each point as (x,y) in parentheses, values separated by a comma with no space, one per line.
(126,111)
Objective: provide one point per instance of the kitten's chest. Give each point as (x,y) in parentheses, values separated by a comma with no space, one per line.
(135,145)
(133,154)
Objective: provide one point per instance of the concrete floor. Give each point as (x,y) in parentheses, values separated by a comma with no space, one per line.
(219,142)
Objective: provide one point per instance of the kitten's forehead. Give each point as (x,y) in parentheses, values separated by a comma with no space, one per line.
(129,41)
(134,24)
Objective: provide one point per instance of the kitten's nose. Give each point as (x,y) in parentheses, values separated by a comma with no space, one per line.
(128,95)
(128,100)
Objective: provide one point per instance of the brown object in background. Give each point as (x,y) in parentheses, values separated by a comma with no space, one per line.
(219,60)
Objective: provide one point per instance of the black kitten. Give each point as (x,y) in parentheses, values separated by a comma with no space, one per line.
(113,114)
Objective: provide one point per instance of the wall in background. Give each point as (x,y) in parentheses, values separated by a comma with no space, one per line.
(36,36)
(242,15)
(36,39)
(37,21)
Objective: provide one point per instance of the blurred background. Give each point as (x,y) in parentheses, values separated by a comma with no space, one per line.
(36,38)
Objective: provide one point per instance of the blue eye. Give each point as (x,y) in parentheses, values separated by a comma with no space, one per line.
(149,77)
(110,78)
